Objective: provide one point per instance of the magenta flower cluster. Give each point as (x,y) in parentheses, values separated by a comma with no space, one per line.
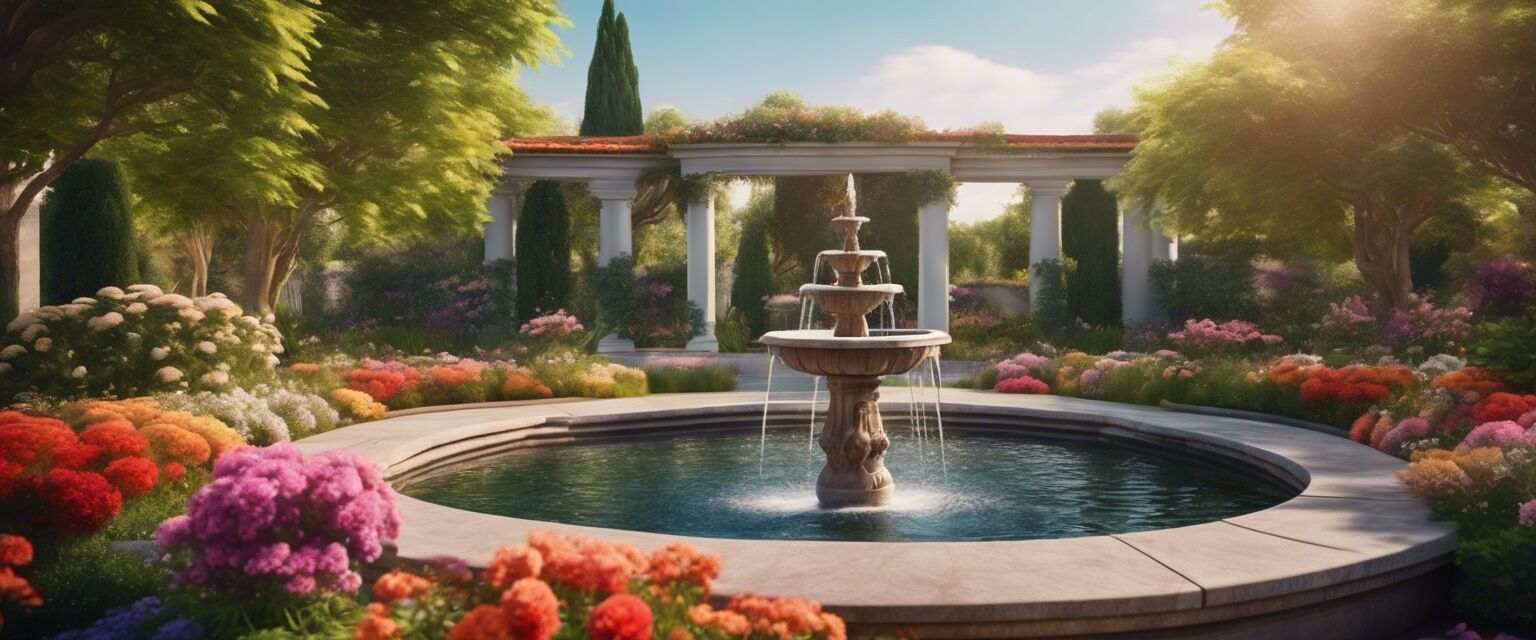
(1504,286)
(273,521)
(1208,335)
(1024,364)
(554,325)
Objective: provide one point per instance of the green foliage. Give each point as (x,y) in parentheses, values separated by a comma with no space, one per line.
(1496,574)
(1507,347)
(785,117)
(753,281)
(1052,311)
(802,206)
(1195,288)
(87,239)
(992,249)
(544,279)
(671,379)
(1090,237)
(731,332)
(615,285)
(613,82)
(1115,120)
(891,201)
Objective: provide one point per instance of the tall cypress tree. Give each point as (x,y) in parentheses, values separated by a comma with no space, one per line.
(86,233)
(753,281)
(613,81)
(889,200)
(543,251)
(1089,236)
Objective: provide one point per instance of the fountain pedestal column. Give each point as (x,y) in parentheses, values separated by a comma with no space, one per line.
(855,442)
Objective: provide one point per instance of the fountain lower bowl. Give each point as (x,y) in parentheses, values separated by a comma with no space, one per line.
(883,352)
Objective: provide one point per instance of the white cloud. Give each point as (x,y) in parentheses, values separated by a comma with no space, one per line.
(951,88)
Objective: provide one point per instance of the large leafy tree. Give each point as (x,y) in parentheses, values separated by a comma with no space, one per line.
(1253,144)
(400,141)
(74,73)
(1458,72)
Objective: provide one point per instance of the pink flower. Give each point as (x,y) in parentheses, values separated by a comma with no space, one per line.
(1528,514)
(1494,434)
(1023,384)
(1405,431)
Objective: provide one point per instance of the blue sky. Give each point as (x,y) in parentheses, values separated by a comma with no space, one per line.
(1036,66)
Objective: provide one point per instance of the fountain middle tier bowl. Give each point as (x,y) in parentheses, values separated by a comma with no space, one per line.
(883,352)
(839,300)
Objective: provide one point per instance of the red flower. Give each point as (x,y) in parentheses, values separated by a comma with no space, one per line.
(1502,406)
(79,501)
(510,564)
(133,475)
(681,563)
(484,622)
(620,617)
(531,610)
(382,384)
(1360,430)
(15,551)
(33,443)
(115,438)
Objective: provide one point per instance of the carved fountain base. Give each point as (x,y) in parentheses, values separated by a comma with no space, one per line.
(855,442)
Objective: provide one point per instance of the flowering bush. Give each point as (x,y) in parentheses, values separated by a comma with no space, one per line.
(263,414)
(54,479)
(1022,384)
(580,587)
(358,406)
(558,326)
(1207,336)
(273,522)
(688,374)
(610,381)
(801,123)
(1418,327)
(16,552)
(136,342)
(382,379)
(137,620)
(1354,385)
(1502,287)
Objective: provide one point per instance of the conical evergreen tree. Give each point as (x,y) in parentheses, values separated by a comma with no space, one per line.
(1089,236)
(86,233)
(613,82)
(543,251)
(753,281)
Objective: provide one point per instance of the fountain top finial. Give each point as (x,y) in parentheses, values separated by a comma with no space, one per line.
(848,226)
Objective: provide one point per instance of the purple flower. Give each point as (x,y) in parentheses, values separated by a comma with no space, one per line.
(1503,287)
(179,629)
(271,520)
(123,623)
(1405,431)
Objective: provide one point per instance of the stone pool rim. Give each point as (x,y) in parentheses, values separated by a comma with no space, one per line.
(1351,546)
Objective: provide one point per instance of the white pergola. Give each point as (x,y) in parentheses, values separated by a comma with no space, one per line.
(1045,164)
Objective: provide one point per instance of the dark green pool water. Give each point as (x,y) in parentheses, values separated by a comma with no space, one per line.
(980,488)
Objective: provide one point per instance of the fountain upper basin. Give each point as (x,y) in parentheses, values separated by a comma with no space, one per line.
(882,352)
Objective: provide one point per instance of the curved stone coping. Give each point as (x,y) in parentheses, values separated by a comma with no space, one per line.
(877,339)
(1352,534)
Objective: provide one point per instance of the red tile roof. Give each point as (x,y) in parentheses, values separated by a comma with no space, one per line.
(648,144)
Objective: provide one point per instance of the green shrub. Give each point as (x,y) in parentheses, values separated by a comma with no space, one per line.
(1052,311)
(1198,287)
(1089,216)
(1496,574)
(86,233)
(664,378)
(1506,347)
(617,302)
(753,281)
(544,281)
(731,332)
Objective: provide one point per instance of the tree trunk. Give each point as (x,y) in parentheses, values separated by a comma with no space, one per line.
(10,253)
(197,241)
(271,253)
(1381,255)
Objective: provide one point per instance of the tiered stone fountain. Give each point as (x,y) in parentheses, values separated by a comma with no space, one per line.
(852,358)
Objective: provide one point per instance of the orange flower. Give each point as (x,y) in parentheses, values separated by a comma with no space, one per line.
(621,617)
(788,617)
(728,622)
(14,588)
(1470,380)
(484,622)
(399,585)
(531,610)
(681,563)
(377,626)
(174,471)
(116,438)
(170,443)
(510,564)
(584,564)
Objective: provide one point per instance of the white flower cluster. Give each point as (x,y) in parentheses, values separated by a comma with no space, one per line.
(263,414)
(136,341)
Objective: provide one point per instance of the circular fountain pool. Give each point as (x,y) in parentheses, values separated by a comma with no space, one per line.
(979,487)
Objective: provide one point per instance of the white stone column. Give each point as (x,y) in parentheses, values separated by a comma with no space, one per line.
(1044,227)
(505,206)
(614,235)
(1136,304)
(933,266)
(701,268)
(614,238)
